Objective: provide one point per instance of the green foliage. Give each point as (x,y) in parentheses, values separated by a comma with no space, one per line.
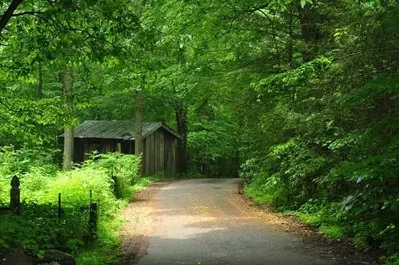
(123,169)
(323,132)
(258,195)
(39,228)
(333,232)
(35,166)
(212,141)
(393,259)
(303,94)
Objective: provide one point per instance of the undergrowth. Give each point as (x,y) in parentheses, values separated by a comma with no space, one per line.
(334,222)
(113,180)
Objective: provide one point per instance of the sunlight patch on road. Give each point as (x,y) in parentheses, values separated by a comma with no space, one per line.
(185,226)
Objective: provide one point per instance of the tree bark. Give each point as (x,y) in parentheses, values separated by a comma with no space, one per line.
(67,79)
(290,44)
(182,129)
(5,18)
(138,145)
(308,19)
(39,91)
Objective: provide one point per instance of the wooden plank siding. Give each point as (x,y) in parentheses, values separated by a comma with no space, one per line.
(152,154)
(147,157)
(170,153)
(159,151)
(162,152)
(156,152)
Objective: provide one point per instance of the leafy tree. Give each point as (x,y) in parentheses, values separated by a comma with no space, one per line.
(300,95)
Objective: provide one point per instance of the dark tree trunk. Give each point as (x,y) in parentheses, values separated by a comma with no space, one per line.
(138,145)
(309,18)
(5,18)
(182,129)
(290,45)
(68,131)
(39,91)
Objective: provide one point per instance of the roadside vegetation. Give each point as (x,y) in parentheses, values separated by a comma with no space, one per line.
(112,179)
(300,97)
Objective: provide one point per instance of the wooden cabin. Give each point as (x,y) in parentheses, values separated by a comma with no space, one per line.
(159,143)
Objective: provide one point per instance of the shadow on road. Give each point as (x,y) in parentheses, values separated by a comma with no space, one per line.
(190,222)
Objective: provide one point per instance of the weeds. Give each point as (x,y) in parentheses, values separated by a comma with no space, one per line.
(112,178)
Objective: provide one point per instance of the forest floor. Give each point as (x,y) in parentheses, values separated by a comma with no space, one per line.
(208,221)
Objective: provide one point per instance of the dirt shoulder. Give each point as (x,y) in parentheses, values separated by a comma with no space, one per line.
(291,224)
(138,224)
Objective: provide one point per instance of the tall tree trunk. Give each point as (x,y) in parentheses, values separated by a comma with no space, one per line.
(39,90)
(309,18)
(68,131)
(182,129)
(290,44)
(138,145)
(181,120)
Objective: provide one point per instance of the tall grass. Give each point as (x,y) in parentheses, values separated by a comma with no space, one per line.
(112,178)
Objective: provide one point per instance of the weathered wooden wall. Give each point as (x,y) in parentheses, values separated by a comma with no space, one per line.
(159,151)
(84,147)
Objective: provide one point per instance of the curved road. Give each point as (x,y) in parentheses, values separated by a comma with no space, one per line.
(204,221)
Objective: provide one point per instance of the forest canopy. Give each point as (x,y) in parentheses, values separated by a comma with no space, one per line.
(300,97)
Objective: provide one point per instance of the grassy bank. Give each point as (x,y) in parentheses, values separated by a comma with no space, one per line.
(332,220)
(112,180)
(106,249)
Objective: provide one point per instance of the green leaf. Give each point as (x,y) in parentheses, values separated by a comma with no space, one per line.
(304,2)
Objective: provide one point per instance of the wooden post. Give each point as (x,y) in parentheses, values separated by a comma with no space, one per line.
(118,185)
(59,206)
(93,218)
(15,199)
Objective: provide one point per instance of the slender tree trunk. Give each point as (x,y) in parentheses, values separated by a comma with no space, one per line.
(68,131)
(290,46)
(138,145)
(39,91)
(182,129)
(181,120)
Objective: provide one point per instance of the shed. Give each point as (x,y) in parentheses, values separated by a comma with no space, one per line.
(159,143)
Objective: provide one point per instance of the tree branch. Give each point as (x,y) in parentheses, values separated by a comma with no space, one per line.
(8,14)
(34,13)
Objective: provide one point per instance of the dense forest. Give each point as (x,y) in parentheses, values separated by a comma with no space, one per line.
(299,97)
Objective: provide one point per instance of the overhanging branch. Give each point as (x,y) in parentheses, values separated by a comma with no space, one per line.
(33,13)
(8,14)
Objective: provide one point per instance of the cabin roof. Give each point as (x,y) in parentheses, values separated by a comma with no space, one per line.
(124,130)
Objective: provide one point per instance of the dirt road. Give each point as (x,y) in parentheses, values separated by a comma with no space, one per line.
(205,221)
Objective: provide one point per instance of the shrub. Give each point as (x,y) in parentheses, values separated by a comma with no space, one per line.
(122,169)
(39,227)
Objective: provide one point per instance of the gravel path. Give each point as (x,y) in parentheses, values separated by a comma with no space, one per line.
(206,221)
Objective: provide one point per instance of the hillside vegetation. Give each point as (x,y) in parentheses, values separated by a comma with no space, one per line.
(300,97)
